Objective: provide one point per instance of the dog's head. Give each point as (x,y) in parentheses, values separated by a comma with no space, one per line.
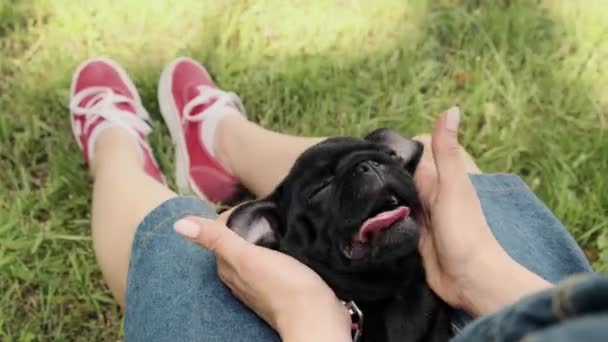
(346,209)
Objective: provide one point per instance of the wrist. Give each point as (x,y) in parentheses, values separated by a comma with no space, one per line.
(498,281)
(315,320)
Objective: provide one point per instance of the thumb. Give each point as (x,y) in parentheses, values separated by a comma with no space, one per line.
(446,150)
(212,235)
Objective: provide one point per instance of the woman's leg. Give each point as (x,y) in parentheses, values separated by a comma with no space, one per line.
(173,292)
(206,132)
(108,122)
(123,193)
(167,285)
(260,158)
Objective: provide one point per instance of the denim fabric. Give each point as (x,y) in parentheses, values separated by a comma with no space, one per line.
(576,310)
(174,294)
(527,230)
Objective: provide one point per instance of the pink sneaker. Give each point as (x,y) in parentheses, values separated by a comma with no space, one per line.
(191,105)
(102,96)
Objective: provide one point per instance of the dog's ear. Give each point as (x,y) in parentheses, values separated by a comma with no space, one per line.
(408,149)
(256,222)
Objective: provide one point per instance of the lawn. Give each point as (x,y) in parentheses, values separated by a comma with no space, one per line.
(531,76)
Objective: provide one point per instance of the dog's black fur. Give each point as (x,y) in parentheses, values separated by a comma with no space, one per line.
(314,213)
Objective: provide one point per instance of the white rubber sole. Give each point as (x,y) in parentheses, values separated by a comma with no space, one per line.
(170,114)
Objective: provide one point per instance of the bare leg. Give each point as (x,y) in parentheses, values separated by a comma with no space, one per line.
(260,158)
(122,195)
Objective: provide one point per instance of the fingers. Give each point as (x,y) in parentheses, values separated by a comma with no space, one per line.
(225,244)
(212,235)
(425,176)
(224,216)
(446,150)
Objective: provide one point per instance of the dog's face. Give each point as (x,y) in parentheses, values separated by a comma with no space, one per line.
(347,210)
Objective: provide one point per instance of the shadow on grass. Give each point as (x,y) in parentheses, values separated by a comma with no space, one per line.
(499,60)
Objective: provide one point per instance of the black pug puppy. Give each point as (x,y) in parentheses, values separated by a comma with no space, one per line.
(347,210)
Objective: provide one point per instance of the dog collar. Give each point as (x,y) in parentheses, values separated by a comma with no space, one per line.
(356,320)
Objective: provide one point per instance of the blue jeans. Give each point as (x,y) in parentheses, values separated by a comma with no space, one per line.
(174,294)
(575,310)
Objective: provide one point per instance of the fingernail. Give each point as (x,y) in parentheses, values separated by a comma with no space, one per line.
(187,228)
(452,119)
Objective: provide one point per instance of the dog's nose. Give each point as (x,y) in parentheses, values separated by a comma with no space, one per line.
(367,166)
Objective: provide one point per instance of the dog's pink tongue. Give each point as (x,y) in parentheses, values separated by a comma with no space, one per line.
(382,221)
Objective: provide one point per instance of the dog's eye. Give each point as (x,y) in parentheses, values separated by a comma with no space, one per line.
(394,155)
(320,187)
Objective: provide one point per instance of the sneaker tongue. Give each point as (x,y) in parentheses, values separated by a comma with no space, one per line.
(191,92)
(93,99)
(382,221)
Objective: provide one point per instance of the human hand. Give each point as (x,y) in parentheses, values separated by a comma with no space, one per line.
(287,294)
(465,265)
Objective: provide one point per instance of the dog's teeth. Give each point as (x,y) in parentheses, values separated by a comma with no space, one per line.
(348,251)
(394,201)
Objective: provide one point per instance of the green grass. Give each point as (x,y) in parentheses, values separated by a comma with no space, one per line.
(532,77)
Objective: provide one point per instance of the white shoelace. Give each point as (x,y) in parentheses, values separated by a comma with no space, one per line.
(103,104)
(206,94)
(212,114)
